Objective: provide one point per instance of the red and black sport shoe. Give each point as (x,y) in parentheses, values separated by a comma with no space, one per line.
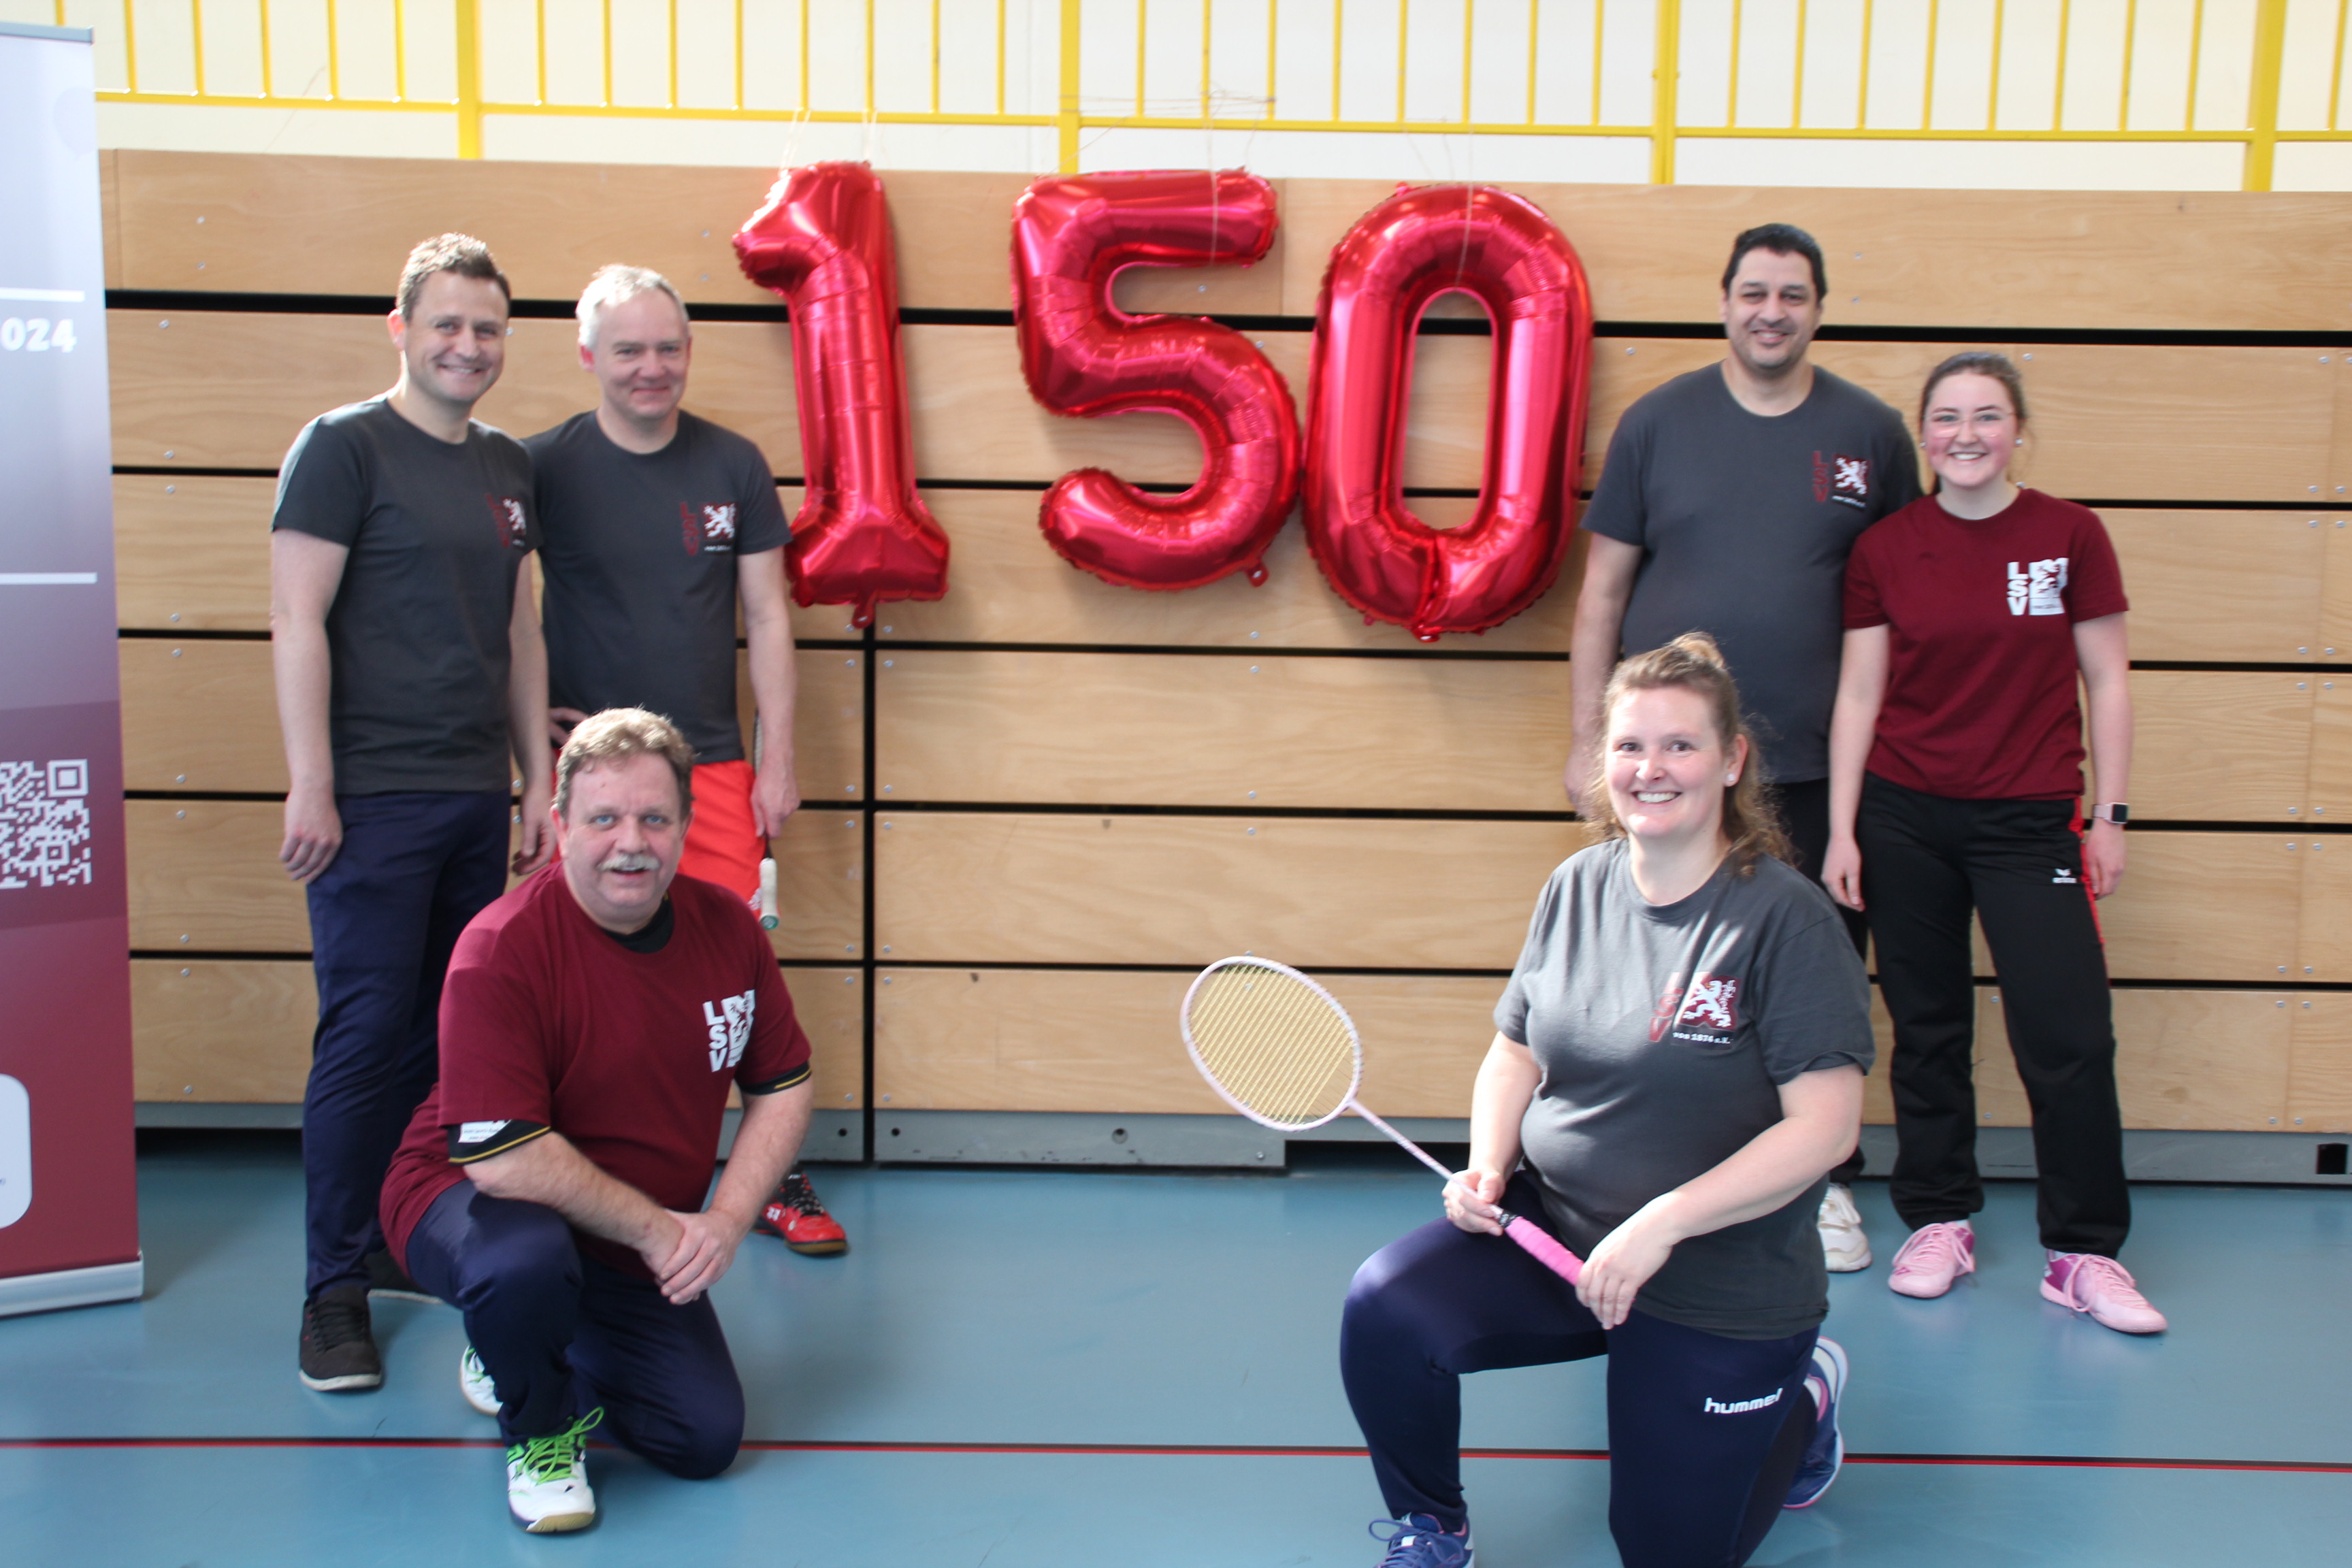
(795,1213)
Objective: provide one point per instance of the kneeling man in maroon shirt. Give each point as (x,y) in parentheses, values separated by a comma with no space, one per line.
(550,1186)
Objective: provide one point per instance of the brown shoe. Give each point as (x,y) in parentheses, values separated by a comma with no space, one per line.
(338,1349)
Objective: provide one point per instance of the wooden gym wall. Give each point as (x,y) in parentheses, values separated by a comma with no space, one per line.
(1035,805)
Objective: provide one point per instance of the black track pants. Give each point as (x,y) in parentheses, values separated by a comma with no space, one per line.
(1927,861)
(1704,1433)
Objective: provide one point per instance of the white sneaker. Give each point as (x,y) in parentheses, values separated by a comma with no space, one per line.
(547,1480)
(474,1382)
(1845,1248)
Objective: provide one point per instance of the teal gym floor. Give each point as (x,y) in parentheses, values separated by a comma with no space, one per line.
(1072,1369)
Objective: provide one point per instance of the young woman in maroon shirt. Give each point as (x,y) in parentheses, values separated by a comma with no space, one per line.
(1956,779)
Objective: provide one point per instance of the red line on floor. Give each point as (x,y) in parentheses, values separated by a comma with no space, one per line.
(1205,1450)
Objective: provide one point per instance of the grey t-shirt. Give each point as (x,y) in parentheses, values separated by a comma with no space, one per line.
(417,634)
(1746,522)
(1662,1032)
(640,561)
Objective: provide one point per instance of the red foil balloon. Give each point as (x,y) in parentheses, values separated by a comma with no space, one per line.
(1501,250)
(1083,356)
(863,535)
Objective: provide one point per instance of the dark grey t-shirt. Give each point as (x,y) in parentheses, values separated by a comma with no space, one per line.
(1747,522)
(417,634)
(640,563)
(1662,1033)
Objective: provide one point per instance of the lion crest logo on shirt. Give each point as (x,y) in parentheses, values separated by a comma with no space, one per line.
(512,521)
(728,1024)
(707,530)
(1706,1011)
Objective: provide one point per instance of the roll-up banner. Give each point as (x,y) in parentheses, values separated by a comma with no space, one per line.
(69,1198)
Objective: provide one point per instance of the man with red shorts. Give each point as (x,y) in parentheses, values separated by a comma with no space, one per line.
(551,1187)
(656,524)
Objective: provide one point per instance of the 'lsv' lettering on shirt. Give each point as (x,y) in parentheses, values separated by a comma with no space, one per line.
(730,1026)
(2039,589)
(707,531)
(1842,479)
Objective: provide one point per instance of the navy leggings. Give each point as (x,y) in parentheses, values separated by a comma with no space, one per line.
(385,915)
(561,1333)
(1690,1485)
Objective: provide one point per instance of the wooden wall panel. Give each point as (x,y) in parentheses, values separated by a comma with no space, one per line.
(204,875)
(279,224)
(2072,259)
(221,1031)
(2112,422)
(820,887)
(2319,1086)
(1097,1040)
(2330,791)
(2215,1059)
(2336,593)
(237,1031)
(202,715)
(1007,585)
(2195,731)
(2205,906)
(831,1005)
(192,553)
(2326,901)
(2221,585)
(1174,729)
(1014,888)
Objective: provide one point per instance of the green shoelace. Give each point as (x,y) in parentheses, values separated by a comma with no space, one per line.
(551,1458)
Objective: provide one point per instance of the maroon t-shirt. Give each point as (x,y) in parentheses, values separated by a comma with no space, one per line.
(1980,680)
(548,1023)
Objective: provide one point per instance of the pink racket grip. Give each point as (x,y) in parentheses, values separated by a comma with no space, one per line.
(1543,1249)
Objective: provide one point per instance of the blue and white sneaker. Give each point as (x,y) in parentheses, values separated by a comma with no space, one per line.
(1418,1540)
(1825,1454)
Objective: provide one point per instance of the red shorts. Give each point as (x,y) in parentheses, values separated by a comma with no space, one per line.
(721,843)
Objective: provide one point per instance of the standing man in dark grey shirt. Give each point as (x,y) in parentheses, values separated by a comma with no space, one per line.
(1728,504)
(409,670)
(658,524)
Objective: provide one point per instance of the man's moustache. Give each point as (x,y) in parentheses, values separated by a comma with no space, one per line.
(630,863)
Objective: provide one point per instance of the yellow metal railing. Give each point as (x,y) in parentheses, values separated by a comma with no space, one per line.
(1917,70)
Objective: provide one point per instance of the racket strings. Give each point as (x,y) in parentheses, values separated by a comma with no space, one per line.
(1274,1043)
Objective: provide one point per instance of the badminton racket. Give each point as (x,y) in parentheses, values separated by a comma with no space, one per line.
(1276,1048)
(768,892)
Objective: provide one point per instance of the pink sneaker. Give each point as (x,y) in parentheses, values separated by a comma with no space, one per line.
(2103,1287)
(1935,1255)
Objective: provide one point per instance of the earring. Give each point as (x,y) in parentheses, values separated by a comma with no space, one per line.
(2020,441)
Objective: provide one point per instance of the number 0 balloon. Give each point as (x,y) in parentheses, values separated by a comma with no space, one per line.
(1388,563)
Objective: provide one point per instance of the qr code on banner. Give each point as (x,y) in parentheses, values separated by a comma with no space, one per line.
(44,824)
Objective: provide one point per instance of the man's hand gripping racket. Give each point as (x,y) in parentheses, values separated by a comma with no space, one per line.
(1278,1048)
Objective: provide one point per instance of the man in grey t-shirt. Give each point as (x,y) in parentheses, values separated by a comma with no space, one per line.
(410,675)
(1728,504)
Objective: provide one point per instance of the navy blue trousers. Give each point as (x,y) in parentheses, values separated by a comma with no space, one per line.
(413,869)
(561,1332)
(1691,1485)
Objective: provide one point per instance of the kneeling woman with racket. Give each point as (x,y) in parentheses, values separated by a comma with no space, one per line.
(1678,1064)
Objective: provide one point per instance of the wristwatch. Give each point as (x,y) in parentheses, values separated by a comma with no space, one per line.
(2116,812)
